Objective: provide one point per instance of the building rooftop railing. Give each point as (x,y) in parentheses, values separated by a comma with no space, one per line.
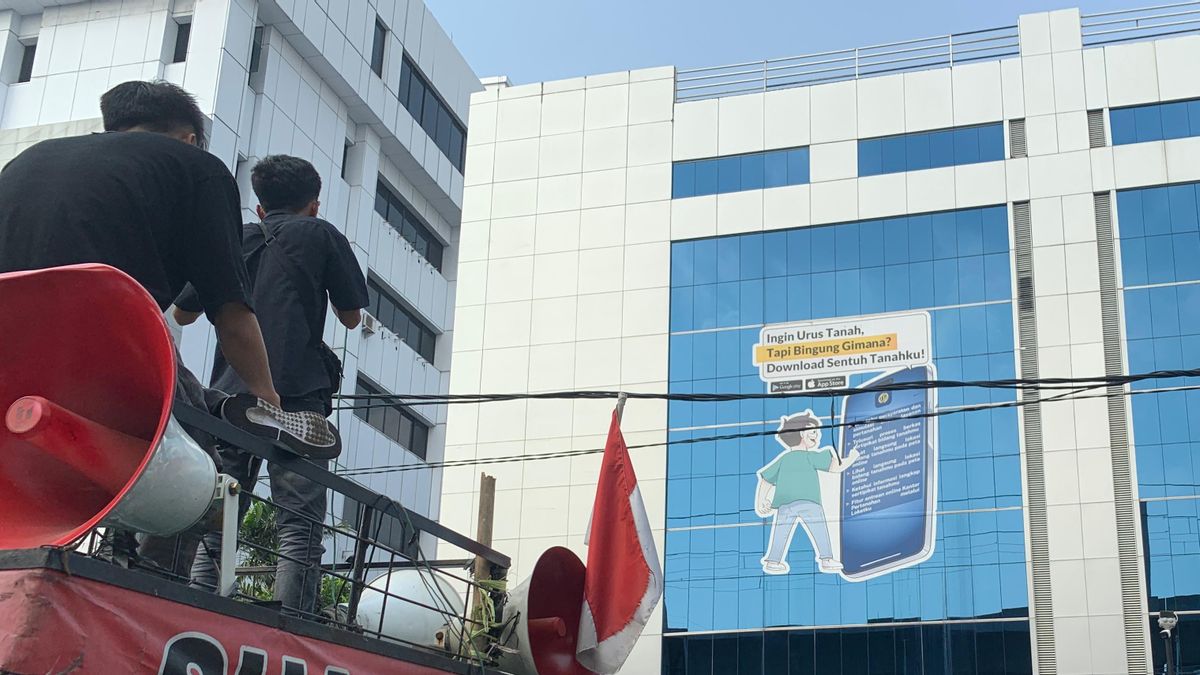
(943,51)
(846,64)
(1145,23)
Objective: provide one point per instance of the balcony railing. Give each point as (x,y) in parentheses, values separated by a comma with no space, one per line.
(846,64)
(1146,23)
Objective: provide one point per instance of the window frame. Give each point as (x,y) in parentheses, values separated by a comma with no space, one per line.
(368,410)
(408,218)
(392,313)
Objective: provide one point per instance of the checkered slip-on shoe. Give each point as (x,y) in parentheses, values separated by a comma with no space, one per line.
(305,433)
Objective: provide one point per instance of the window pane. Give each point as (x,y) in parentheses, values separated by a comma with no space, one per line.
(420,440)
(456,147)
(706,177)
(1175,120)
(1194,117)
(1123,127)
(752,172)
(869,157)
(416,98)
(376,415)
(443,132)
(27,63)
(729,174)
(798,166)
(775,169)
(391,423)
(894,154)
(429,114)
(183,35)
(404,432)
(1148,121)
(917,151)
(683,180)
(991,143)
(405,83)
(966,146)
(377,48)
(941,148)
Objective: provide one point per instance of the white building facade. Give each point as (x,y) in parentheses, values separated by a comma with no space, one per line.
(1012,203)
(374,94)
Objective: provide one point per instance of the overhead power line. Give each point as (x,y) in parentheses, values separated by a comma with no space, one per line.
(1039,384)
(1071,395)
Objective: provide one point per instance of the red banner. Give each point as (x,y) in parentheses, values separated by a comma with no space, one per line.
(52,624)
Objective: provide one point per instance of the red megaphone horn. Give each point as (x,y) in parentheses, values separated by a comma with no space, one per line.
(87,379)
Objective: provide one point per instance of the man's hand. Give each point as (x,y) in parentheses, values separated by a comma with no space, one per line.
(242,344)
(852,457)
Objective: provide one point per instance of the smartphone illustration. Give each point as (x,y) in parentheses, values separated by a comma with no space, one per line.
(889,495)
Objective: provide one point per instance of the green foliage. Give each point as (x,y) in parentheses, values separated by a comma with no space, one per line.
(259,528)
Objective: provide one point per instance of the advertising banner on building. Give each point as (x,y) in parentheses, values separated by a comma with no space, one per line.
(55,623)
(868,504)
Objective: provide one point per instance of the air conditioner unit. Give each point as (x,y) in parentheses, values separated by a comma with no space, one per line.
(370,325)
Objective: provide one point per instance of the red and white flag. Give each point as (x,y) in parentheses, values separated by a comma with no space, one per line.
(624,581)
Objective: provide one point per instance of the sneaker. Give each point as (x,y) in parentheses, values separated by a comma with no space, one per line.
(305,433)
(773,567)
(829,565)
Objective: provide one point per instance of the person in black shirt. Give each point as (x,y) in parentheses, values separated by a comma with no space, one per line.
(147,200)
(297,261)
(164,212)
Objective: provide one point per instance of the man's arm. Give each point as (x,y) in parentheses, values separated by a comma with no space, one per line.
(242,344)
(350,318)
(344,280)
(183,317)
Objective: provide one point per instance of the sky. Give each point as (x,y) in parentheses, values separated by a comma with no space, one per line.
(540,40)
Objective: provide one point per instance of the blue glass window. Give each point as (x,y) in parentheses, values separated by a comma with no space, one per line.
(753,171)
(931,149)
(1154,122)
(1160,258)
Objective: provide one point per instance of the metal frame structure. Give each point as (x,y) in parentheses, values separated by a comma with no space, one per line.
(1102,28)
(369,555)
(1144,23)
(846,64)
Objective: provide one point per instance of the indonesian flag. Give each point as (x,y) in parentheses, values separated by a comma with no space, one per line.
(623,581)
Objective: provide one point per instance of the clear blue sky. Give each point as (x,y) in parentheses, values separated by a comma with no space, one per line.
(537,40)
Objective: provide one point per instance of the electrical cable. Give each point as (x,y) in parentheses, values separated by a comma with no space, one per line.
(1038,384)
(1071,395)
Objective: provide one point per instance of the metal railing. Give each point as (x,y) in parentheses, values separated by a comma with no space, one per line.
(847,64)
(344,584)
(1144,23)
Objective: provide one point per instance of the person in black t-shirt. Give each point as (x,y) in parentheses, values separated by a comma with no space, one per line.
(297,262)
(163,211)
(145,199)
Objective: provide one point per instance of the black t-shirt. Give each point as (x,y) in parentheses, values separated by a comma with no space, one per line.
(164,212)
(307,261)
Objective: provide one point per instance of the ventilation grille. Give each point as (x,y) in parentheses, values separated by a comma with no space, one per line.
(1132,594)
(1016,141)
(1096,129)
(1035,471)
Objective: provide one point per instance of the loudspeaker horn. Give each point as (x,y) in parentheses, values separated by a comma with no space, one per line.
(87,380)
(546,607)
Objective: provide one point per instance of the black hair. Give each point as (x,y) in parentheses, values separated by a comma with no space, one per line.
(285,182)
(155,106)
(791,429)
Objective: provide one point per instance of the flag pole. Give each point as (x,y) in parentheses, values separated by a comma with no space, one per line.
(621,398)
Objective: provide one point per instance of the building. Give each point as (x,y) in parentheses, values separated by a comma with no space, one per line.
(1016,202)
(373,93)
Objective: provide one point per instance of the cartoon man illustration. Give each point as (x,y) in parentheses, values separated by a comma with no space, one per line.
(789,488)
